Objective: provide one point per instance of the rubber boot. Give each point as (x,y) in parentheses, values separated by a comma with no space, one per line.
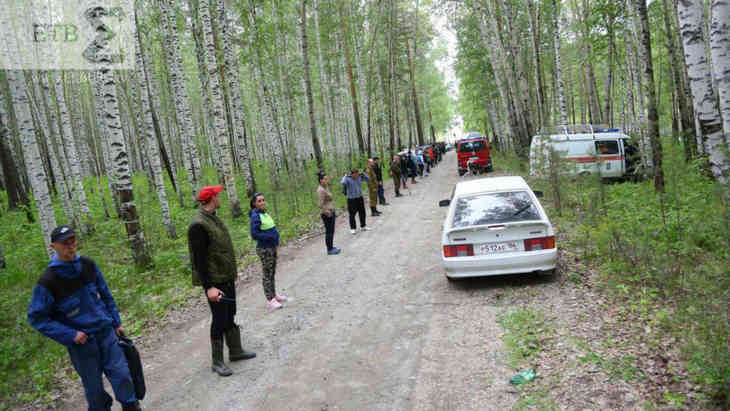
(235,351)
(218,365)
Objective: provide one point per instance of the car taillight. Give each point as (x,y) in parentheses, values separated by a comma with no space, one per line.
(461,250)
(542,243)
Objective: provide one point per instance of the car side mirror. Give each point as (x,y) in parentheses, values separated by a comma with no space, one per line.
(444,203)
(538,193)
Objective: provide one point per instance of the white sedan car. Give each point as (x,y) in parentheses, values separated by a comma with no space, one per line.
(495,226)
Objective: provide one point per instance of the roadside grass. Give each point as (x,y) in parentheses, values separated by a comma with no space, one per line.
(31,364)
(662,258)
(535,399)
(526,333)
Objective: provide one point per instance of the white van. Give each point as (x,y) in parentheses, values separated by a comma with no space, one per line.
(587,149)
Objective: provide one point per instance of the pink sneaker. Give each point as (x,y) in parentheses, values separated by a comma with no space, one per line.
(281,298)
(273,304)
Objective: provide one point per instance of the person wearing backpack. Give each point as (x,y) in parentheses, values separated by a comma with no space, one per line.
(72,305)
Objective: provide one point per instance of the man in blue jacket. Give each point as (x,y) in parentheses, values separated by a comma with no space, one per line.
(72,305)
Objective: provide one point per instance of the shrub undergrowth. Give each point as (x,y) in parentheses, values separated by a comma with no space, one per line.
(666,257)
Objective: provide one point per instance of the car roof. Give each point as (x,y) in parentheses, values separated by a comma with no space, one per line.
(491,184)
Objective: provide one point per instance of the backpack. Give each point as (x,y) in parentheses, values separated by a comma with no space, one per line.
(344,189)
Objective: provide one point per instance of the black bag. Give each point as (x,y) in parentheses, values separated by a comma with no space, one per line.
(135,366)
(344,189)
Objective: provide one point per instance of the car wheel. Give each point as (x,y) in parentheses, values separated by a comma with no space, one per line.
(461,173)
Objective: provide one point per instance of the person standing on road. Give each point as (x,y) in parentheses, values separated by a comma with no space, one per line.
(72,305)
(372,188)
(263,230)
(355,202)
(395,173)
(214,268)
(327,212)
(412,167)
(379,177)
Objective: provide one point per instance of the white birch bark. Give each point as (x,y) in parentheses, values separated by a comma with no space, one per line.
(32,155)
(558,65)
(218,110)
(184,115)
(720,54)
(55,156)
(700,79)
(104,139)
(78,195)
(230,54)
(150,141)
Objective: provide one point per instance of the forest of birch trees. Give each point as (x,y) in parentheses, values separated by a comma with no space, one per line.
(526,66)
(254,90)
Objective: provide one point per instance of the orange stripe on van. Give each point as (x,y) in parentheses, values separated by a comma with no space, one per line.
(593,159)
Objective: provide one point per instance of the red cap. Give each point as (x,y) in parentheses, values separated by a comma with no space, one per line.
(208,192)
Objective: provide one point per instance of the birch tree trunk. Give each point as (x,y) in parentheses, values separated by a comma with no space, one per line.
(54,154)
(118,149)
(414,95)
(78,195)
(218,110)
(234,88)
(353,94)
(31,154)
(324,88)
(558,64)
(705,104)
(720,54)
(150,141)
(308,82)
(181,99)
(653,114)
(534,19)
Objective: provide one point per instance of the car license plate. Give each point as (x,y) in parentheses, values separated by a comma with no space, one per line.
(496,248)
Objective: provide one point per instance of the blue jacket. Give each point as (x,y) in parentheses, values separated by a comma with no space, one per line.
(354,187)
(265,238)
(90,309)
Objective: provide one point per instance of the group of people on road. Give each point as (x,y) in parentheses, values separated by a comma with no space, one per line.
(73,305)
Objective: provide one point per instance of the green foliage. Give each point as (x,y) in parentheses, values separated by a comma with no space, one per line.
(665,256)
(526,332)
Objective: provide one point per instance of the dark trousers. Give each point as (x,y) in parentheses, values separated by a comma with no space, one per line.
(381,193)
(396,184)
(356,206)
(223,311)
(102,354)
(329,230)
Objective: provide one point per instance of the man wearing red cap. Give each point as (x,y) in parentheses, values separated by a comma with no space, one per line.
(214,267)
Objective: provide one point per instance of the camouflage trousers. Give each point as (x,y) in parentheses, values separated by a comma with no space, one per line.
(268,262)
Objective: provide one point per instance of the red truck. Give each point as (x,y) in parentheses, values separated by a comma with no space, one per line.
(474,151)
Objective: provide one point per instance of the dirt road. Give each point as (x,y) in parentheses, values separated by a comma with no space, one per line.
(377,327)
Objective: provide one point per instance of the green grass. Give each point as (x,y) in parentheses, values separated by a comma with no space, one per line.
(663,257)
(526,333)
(30,364)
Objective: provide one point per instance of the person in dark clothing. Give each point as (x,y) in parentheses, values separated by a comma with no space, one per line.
(327,212)
(214,267)
(263,230)
(395,172)
(72,305)
(379,177)
(355,201)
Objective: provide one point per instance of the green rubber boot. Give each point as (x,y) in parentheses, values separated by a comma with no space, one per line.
(218,365)
(235,351)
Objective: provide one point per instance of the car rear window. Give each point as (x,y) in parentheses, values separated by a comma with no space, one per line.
(494,208)
(472,146)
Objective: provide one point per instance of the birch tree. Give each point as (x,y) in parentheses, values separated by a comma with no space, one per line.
(32,155)
(558,64)
(308,82)
(220,129)
(117,145)
(720,52)
(700,79)
(151,146)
